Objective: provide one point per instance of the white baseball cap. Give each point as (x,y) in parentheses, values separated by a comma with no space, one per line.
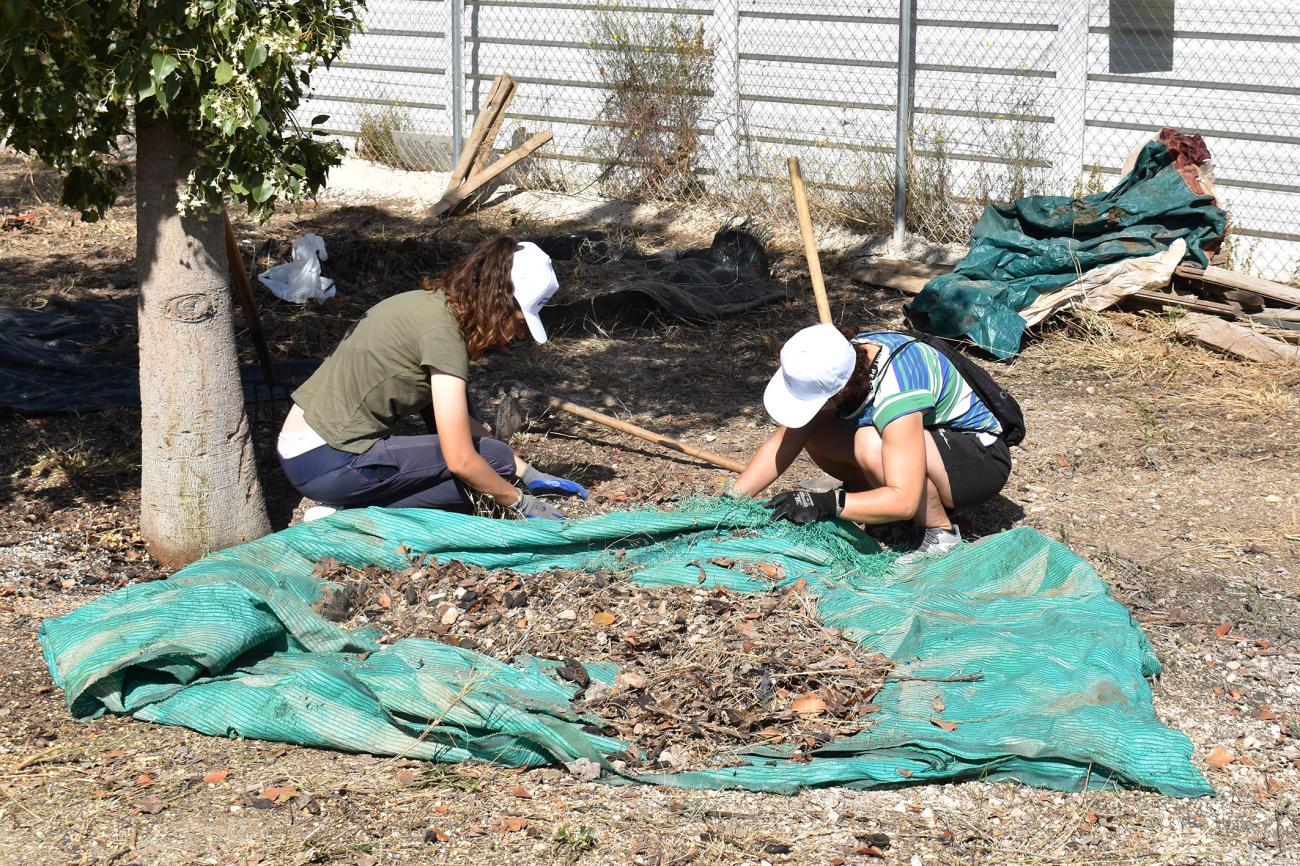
(816,364)
(535,283)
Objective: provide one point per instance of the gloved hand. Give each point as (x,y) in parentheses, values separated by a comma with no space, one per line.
(531,506)
(540,484)
(802,506)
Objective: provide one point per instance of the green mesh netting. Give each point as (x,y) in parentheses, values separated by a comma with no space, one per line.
(230,646)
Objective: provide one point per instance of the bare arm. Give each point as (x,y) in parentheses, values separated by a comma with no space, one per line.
(772,458)
(451,411)
(902,452)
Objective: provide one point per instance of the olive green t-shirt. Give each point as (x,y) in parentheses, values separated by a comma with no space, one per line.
(377,375)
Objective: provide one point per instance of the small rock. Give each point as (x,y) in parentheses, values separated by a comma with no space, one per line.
(567,614)
(451,615)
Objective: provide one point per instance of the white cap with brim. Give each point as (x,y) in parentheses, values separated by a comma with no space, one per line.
(816,364)
(535,283)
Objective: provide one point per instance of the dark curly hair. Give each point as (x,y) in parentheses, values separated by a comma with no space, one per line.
(855,391)
(481,296)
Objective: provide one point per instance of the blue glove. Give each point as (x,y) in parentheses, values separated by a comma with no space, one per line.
(541,484)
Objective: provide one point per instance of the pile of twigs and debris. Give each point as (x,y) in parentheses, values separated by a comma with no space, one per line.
(703,672)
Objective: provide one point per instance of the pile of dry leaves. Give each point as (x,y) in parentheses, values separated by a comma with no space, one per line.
(703,672)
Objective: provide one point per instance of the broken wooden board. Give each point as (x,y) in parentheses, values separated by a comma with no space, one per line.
(454,197)
(1227,279)
(1237,340)
(901,275)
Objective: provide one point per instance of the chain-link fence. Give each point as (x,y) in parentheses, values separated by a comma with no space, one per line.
(1000,99)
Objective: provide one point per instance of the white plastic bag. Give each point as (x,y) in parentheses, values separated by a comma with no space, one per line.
(299,281)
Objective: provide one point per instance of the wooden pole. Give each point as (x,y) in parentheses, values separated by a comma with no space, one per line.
(244,292)
(499,95)
(809,242)
(453,197)
(634,430)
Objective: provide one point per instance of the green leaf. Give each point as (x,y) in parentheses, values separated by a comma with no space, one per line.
(263,187)
(225,72)
(319,119)
(163,65)
(254,55)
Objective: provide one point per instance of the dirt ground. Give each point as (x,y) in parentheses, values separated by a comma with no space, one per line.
(1174,471)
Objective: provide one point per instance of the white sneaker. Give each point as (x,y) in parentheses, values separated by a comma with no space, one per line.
(316,512)
(935,543)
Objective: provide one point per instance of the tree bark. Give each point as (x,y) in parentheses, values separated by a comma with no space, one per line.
(199,489)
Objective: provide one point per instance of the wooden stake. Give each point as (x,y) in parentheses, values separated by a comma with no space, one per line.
(484,153)
(453,197)
(244,292)
(499,95)
(634,430)
(809,242)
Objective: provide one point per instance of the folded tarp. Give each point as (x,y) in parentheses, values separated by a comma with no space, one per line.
(1037,245)
(1057,692)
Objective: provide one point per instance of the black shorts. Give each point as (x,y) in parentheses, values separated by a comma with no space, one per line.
(976,472)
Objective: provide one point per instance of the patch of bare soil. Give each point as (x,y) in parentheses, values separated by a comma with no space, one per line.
(1174,471)
(703,672)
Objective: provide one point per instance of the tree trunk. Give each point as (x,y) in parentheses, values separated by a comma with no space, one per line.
(198,489)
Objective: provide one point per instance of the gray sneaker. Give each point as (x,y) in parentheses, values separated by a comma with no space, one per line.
(935,543)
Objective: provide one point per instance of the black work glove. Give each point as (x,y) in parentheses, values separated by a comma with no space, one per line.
(801,506)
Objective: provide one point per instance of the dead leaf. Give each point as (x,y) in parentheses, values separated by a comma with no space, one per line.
(148,806)
(514,825)
(279,793)
(944,724)
(906,774)
(630,680)
(1265,713)
(870,851)
(113,754)
(433,834)
(385,601)
(215,776)
(1220,757)
(522,793)
(144,780)
(1090,818)
(406,776)
(604,618)
(809,704)
(770,571)
(1223,629)
(938,704)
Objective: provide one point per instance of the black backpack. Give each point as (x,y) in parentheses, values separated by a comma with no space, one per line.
(1003,406)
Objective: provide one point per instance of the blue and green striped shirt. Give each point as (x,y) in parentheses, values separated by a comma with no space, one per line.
(913,377)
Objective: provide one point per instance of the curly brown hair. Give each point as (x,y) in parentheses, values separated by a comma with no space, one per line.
(481,296)
(855,391)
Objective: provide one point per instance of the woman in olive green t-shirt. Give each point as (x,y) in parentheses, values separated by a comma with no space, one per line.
(408,353)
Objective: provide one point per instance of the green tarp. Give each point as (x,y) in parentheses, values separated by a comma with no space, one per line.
(1036,245)
(230,646)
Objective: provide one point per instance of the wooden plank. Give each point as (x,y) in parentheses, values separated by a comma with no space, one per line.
(899,274)
(473,184)
(1167,299)
(486,117)
(484,152)
(1284,295)
(1234,339)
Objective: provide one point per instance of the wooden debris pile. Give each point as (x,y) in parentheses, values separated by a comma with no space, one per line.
(702,672)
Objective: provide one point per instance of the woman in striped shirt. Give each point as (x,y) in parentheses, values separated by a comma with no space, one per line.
(892,419)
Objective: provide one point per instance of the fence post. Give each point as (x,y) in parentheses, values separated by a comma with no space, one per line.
(903,120)
(724,36)
(1070,105)
(455,74)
